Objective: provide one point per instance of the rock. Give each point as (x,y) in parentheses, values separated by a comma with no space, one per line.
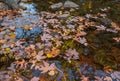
(70,4)
(63,16)
(3,6)
(105,21)
(12,4)
(56,6)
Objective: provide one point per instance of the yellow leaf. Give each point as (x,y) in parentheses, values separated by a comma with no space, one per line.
(49,55)
(55,52)
(51,73)
(7,49)
(12,36)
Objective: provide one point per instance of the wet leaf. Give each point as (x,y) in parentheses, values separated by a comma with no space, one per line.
(46,37)
(47,67)
(71,54)
(40,56)
(49,55)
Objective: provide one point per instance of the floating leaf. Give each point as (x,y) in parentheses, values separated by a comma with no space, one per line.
(49,55)
(71,54)
(40,56)
(47,67)
(7,49)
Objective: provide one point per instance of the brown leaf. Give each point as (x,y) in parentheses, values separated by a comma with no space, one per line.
(12,28)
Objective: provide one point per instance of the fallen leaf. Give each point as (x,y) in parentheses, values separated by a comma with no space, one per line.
(12,28)
(47,67)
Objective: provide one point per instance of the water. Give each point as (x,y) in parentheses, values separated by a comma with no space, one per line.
(101,51)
